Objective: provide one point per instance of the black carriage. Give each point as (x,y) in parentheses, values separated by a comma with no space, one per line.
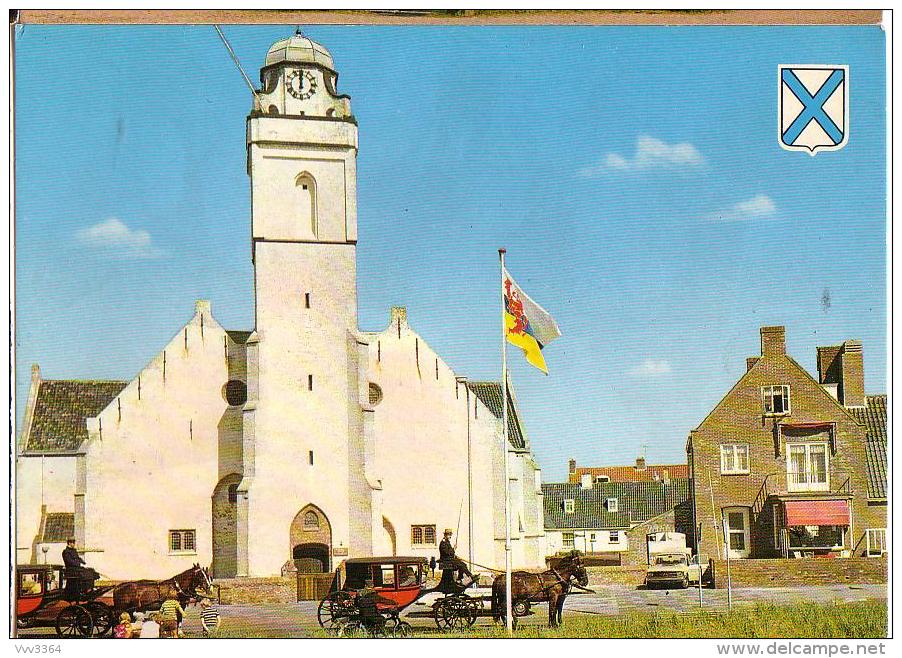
(49,595)
(401,580)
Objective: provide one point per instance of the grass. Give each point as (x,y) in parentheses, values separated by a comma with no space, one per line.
(866,619)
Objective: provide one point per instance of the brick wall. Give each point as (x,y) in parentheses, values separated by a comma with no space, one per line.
(277,589)
(789,573)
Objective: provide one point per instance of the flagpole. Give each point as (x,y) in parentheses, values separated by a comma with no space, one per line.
(507,503)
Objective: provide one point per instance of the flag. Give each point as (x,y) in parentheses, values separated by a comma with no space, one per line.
(527,325)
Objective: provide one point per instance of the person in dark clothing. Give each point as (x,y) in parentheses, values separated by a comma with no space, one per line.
(448,558)
(78,577)
(432,565)
(366,601)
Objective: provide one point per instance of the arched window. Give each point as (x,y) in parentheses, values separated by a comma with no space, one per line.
(311,521)
(307,200)
(273,109)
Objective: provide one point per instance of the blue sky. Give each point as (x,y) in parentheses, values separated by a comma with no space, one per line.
(633,174)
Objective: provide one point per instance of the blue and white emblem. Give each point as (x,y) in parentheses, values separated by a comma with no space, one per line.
(813,107)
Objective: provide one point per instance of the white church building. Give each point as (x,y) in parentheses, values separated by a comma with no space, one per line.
(294,445)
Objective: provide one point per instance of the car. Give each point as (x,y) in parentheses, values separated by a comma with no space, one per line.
(677,570)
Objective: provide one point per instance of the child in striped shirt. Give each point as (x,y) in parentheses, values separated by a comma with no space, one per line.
(209,617)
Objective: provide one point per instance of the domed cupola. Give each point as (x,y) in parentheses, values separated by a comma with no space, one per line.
(299,80)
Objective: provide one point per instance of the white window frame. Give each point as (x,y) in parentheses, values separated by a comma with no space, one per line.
(612,504)
(569,506)
(568,539)
(183,534)
(729,455)
(767,393)
(876,538)
(613,536)
(796,484)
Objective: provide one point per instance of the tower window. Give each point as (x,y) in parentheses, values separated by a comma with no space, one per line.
(235,392)
(310,457)
(306,300)
(309,382)
(233,493)
(273,109)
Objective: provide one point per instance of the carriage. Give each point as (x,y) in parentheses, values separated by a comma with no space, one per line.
(401,580)
(51,595)
(45,596)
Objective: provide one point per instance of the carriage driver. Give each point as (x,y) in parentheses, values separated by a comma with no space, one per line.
(75,571)
(448,558)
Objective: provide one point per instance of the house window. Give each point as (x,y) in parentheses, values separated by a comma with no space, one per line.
(876,542)
(568,506)
(599,479)
(182,541)
(813,539)
(614,537)
(807,467)
(611,504)
(422,535)
(734,458)
(776,399)
(567,538)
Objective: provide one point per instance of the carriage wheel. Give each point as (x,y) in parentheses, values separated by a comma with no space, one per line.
(74,621)
(454,613)
(102,616)
(335,609)
(402,629)
(346,627)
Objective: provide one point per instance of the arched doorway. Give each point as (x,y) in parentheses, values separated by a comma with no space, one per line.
(311,541)
(225,527)
(390,539)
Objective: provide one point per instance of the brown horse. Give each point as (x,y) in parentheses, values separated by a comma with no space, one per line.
(148,594)
(551,586)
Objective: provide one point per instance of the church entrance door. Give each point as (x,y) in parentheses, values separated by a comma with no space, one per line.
(311,541)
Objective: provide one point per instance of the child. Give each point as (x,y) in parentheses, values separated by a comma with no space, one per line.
(209,617)
(123,629)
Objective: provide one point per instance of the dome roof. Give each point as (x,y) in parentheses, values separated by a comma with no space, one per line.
(299,48)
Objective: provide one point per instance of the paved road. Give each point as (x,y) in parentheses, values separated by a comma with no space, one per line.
(299,619)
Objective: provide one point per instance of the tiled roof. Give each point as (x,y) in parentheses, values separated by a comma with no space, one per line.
(239,337)
(631,473)
(58,423)
(873,416)
(58,527)
(490,395)
(636,502)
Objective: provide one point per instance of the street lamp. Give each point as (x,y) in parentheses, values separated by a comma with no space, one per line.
(44,549)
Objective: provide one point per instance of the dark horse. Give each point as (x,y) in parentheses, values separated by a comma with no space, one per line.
(148,594)
(552,586)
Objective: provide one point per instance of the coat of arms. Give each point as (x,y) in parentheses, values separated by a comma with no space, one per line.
(813,107)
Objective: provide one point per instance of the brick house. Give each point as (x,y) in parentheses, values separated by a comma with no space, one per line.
(791,466)
(638,472)
(610,520)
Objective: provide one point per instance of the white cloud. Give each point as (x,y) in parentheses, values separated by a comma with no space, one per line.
(114,237)
(651,153)
(759,207)
(651,368)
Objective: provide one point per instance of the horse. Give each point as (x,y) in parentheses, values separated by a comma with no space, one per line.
(147,594)
(551,586)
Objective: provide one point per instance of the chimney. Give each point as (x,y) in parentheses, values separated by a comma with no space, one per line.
(773,341)
(640,463)
(398,315)
(203,306)
(572,465)
(666,478)
(840,368)
(750,362)
(851,388)
(585,481)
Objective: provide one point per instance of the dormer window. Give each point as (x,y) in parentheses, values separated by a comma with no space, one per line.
(775,399)
(611,504)
(600,479)
(568,506)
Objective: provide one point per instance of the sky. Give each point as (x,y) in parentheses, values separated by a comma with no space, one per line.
(633,175)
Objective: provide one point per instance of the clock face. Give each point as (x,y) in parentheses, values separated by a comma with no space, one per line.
(301,84)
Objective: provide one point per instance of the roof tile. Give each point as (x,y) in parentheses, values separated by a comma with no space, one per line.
(873,417)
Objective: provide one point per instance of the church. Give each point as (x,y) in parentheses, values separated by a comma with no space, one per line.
(298,443)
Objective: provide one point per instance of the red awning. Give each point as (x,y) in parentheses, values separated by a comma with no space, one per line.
(817,512)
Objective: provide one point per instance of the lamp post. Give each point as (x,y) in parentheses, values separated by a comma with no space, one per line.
(44,549)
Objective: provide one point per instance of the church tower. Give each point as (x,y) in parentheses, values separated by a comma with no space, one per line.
(302,502)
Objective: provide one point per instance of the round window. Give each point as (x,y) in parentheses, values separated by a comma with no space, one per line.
(235,392)
(375,394)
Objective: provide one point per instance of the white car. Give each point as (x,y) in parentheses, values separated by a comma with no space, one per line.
(673,570)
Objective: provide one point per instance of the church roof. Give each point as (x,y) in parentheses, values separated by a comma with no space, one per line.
(58,422)
(300,49)
(873,417)
(490,395)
